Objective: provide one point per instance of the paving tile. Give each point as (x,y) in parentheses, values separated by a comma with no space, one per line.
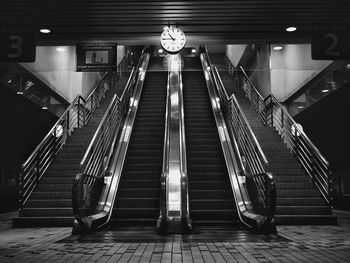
(303,244)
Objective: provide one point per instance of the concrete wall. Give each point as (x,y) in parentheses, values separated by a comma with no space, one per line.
(260,76)
(291,68)
(57,70)
(234,53)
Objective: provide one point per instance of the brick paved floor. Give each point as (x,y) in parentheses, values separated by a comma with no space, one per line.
(292,244)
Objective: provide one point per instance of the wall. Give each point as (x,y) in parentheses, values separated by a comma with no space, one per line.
(234,53)
(24,125)
(291,68)
(57,70)
(326,123)
(261,75)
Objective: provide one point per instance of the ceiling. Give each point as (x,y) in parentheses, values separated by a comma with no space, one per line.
(141,22)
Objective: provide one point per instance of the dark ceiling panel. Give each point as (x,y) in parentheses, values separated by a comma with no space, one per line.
(238,21)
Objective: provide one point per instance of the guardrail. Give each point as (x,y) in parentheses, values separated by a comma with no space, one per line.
(95,188)
(174,200)
(253,187)
(76,115)
(273,113)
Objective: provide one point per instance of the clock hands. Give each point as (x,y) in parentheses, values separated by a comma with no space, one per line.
(171,37)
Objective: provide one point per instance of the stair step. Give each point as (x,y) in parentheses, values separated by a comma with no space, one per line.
(137,203)
(47,212)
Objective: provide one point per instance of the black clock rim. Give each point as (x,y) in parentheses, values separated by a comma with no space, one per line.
(174,52)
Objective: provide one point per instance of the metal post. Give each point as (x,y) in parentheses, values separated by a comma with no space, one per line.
(78,111)
(282,121)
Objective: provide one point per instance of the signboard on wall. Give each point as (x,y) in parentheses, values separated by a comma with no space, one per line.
(17,45)
(330,42)
(96,57)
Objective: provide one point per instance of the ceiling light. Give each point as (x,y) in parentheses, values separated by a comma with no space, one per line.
(325,90)
(44,108)
(277,48)
(300,106)
(60,49)
(19,92)
(160,50)
(291,29)
(45,30)
(193,50)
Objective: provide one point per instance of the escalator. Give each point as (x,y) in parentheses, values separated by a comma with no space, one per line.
(137,201)
(211,200)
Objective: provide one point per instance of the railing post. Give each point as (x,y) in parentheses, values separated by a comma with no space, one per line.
(20,188)
(282,121)
(37,168)
(78,111)
(67,122)
(330,187)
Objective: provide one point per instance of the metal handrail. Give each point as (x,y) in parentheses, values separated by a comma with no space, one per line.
(233,104)
(273,113)
(102,124)
(103,161)
(254,188)
(76,115)
(174,218)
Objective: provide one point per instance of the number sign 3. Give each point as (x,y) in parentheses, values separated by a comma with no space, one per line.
(16,46)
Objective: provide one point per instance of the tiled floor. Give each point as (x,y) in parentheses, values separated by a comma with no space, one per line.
(292,244)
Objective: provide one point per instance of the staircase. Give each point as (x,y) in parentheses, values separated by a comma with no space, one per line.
(51,202)
(211,199)
(137,201)
(298,200)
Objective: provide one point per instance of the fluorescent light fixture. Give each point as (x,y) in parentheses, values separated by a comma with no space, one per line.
(160,50)
(193,50)
(325,90)
(60,49)
(291,29)
(45,30)
(277,48)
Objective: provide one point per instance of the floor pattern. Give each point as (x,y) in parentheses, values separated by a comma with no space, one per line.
(292,244)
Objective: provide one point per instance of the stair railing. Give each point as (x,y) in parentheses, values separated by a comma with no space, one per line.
(314,163)
(95,188)
(274,114)
(174,198)
(254,188)
(75,116)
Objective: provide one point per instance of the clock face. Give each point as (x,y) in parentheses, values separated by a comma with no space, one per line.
(173,40)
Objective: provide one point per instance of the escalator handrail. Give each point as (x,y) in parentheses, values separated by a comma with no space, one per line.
(75,116)
(116,157)
(174,131)
(104,118)
(323,179)
(235,103)
(233,160)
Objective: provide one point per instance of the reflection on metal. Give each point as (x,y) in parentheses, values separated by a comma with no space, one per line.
(295,128)
(104,158)
(174,215)
(254,189)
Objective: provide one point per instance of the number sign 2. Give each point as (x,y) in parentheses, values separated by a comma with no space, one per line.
(16,46)
(330,42)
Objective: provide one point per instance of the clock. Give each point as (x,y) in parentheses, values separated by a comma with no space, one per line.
(173,40)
